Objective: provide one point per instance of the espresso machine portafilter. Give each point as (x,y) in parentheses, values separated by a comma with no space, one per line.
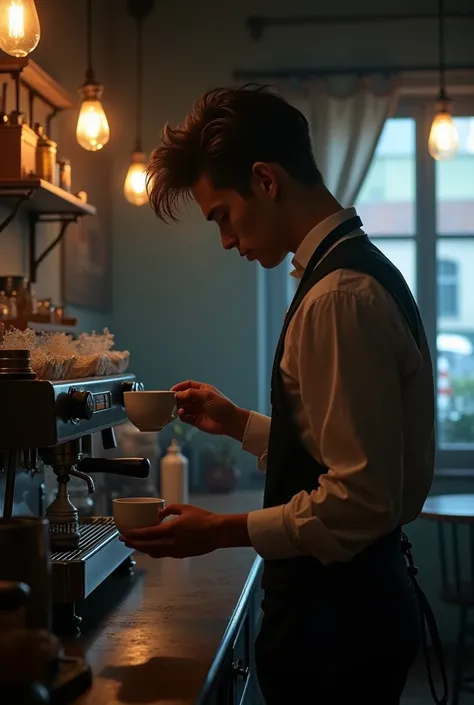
(46,424)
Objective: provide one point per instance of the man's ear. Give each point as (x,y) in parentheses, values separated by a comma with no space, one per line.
(265,178)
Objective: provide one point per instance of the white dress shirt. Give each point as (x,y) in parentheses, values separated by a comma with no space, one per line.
(363,400)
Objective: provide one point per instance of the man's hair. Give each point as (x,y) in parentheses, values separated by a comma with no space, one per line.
(226,132)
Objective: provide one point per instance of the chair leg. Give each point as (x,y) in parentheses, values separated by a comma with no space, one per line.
(459,657)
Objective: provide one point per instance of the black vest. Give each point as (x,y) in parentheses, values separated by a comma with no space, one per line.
(290,468)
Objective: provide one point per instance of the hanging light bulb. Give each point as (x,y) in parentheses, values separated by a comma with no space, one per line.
(19,27)
(92,131)
(134,188)
(443,140)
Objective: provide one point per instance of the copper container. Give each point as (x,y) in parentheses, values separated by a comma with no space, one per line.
(46,151)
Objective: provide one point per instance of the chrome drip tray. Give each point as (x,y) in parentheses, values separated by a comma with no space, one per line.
(76,573)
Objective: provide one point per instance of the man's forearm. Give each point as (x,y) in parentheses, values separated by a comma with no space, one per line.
(238,424)
(232,531)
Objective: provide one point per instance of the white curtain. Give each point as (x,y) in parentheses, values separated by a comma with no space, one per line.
(346,116)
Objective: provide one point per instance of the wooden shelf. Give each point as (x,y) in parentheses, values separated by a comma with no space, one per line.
(37,80)
(46,199)
(41,326)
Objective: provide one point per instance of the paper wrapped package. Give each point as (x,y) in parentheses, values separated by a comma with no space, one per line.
(57,356)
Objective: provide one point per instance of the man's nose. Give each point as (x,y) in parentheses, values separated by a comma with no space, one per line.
(228,242)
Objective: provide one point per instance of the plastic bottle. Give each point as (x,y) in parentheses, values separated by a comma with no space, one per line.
(174,475)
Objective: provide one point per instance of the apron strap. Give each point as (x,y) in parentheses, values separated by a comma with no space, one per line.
(427,620)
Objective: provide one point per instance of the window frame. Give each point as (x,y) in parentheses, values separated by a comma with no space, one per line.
(448,279)
(421,109)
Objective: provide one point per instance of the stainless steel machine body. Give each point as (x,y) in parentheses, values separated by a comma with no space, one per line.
(45,425)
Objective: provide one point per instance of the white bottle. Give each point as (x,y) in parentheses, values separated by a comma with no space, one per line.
(174,476)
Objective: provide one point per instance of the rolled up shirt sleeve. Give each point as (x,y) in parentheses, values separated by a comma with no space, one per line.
(256,437)
(353,408)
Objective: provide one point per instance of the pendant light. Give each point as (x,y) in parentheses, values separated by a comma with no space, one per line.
(134,188)
(19,27)
(92,129)
(443,139)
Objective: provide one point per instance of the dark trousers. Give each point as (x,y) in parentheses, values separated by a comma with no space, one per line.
(341,645)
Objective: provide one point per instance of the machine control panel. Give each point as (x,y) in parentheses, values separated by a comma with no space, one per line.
(41,413)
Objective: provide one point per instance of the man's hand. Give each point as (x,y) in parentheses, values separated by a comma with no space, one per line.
(206,408)
(193,532)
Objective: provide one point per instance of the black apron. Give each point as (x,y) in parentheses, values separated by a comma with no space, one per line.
(347,631)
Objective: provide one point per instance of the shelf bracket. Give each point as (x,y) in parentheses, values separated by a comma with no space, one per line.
(13,213)
(35,261)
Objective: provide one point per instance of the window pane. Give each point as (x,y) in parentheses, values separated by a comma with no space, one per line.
(455,342)
(403,255)
(455,185)
(386,202)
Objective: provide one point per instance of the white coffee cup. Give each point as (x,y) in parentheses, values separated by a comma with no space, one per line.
(150,411)
(137,512)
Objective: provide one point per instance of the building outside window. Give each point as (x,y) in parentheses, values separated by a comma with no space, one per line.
(448,288)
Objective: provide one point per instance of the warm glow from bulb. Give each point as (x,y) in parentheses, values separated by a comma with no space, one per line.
(134,188)
(92,130)
(443,140)
(19,27)
(470,137)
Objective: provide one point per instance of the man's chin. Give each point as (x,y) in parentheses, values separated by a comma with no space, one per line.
(270,262)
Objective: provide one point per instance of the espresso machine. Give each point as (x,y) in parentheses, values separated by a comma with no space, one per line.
(47,427)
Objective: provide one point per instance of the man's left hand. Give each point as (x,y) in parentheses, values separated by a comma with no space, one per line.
(192,532)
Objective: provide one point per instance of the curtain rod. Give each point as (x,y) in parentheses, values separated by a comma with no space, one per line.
(298,73)
(256,24)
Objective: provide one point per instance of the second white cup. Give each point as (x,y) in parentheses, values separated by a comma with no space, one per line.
(137,512)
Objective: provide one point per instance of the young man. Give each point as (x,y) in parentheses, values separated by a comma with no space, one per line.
(349,447)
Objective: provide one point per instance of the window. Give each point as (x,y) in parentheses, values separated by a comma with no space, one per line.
(387,200)
(447,276)
(420,212)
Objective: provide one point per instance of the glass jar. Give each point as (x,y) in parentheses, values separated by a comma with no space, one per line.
(23,300)
(44,308)
(4,306)
(65,174)
(33,299)
(12,305)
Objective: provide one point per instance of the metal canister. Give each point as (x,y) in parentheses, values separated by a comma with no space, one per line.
(15,364)
(46,151)
(65,174)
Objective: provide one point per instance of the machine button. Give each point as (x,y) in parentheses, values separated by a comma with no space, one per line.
(80,405)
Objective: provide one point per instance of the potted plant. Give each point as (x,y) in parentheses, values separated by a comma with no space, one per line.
(218,470)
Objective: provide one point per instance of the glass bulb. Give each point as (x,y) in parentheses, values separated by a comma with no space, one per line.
(19,27)
(134,188)
(92,130)
(443,139)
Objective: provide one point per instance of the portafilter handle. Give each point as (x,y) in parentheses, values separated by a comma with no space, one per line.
(126,467)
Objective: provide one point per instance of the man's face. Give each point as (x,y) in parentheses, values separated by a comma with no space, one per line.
(254,224)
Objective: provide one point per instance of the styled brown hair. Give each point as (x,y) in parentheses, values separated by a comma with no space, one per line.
(226,132)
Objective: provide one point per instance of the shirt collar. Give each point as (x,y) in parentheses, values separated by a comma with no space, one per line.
(315,237)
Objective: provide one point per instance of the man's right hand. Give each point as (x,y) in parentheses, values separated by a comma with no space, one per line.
(203,406)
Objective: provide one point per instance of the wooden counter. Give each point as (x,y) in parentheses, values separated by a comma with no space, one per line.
(172,632)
